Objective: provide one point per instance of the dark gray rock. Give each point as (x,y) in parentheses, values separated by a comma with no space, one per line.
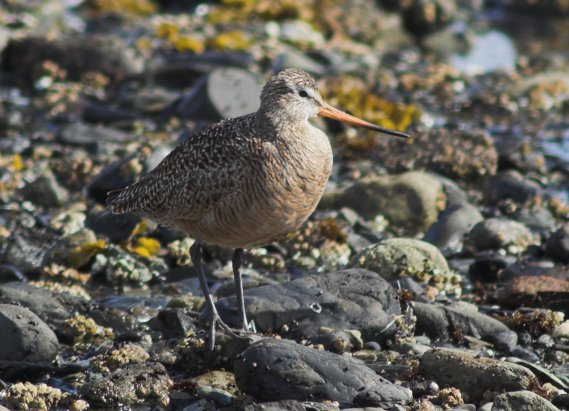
(454,222)
(117,227)
(45,190)
(511,185)
(97,113)
(500,233)
(335,341)
(133,384)
(474,375)
(441,322)
(224,93)
(112,177)
(41,301)
(350,299)
(538,219)
(522,400)
(519,152)
(172,322)
(421,17)
(10,273)
(290,405)
(557,245)
(488,267)
(284,370)
(25,337)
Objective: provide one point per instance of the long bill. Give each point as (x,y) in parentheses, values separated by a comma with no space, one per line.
(331,112)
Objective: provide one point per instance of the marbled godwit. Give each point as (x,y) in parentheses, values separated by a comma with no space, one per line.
(245,181)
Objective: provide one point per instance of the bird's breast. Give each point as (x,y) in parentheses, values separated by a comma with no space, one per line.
(298,183)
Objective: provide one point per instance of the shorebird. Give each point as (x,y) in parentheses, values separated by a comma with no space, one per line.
(245,181)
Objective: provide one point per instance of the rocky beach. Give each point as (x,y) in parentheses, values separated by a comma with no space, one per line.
(434,274)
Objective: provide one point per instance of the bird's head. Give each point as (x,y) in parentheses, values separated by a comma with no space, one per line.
(292,95)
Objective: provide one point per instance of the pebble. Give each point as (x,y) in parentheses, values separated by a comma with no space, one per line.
(474,375)
(284,370)
(25,337)
(448,232)
(557,245)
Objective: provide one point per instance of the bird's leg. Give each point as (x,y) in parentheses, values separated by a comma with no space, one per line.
(236,262)
(196,254)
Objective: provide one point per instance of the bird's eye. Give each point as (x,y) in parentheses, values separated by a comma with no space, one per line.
(303,93)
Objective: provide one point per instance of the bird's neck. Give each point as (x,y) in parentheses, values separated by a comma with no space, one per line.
(278,123)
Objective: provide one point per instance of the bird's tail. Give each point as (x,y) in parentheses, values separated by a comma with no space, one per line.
(119,201)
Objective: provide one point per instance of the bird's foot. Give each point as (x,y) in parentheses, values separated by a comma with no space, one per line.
(235,333)
(250,328)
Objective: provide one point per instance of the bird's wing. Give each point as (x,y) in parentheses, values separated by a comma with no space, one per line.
(192,178)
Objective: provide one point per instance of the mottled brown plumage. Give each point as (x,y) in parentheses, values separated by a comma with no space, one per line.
(245,181)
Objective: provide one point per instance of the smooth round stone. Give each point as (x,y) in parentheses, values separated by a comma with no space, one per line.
(25,337)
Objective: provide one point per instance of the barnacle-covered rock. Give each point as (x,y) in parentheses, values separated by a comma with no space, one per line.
(121,267)
(321,242)
(405,257)
(81,329)
(467,156)
(500,233)
(127,354)
(27,396)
